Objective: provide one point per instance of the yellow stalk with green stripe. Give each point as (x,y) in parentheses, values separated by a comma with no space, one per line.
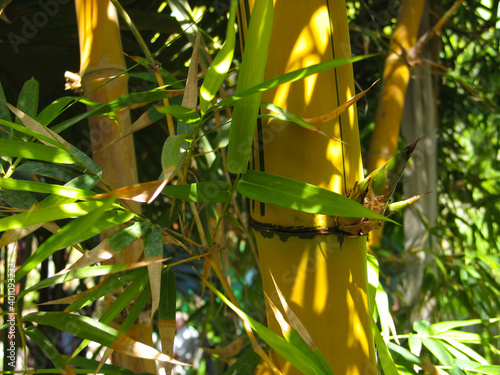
(322,279)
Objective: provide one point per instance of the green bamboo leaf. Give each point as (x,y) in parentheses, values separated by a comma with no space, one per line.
(246,363)
(404,354)
(54,171)
(126,236)
(301,196)
(4,110)
(125,298)
(460,336)
(54,109)
(438,350)
(47,214)
(122,102)
(221,64)
(79,273)
(89,366)
(186,115)
(78,325)
(287,77)
(28,99)
(173,155)
(446,326)
(17,199)
(490,369)
(467,351)
(385,358)
(32,133)
(40,187)
(153,242)
(85,160)
(201,192)
(84,182)
(252,70)
(88,328)
(289,352)
(14,148)
(456,370)
(137,309)
(108,286)
(78,230)
(48,348)
(167,308)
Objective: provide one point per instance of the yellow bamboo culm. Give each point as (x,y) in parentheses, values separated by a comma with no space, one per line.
(101,59)
(323,281)
(384,143)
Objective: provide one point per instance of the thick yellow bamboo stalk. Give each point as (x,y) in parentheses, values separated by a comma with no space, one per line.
(324,282)
(102,59)
(384,143)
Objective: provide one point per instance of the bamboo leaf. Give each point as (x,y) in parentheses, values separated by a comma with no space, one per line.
(167,308)
(252,70)
(201,192)
(47,214)
(40,187)
(54,171)
(122,102)
(289,77)
(54,109)
(108,286)
(386,361)
(79,273)
(17,199)
(78,230)
(24,130)
(293,355)
(47,347)
(246,363)
(438,350)
(112,245)
(34,125)
(138,192)
(88,328)
(173,155)
(28,99)
(301,196)
(221,63)
(14,148)
(4,110)
(153,248)
(186,115)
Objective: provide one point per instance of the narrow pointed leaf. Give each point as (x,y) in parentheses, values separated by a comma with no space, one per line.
(301,196)
(293,355)
(78,230)
(153,248)
(251,73)
(40,187)
(14,148)
(47,347)
(386,361)
(221,63)
(201,192)
(173,155)
(186,115)
(88,328)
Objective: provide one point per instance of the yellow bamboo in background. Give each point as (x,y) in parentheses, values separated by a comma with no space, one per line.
(102,59)
(384,143)
(323,281)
